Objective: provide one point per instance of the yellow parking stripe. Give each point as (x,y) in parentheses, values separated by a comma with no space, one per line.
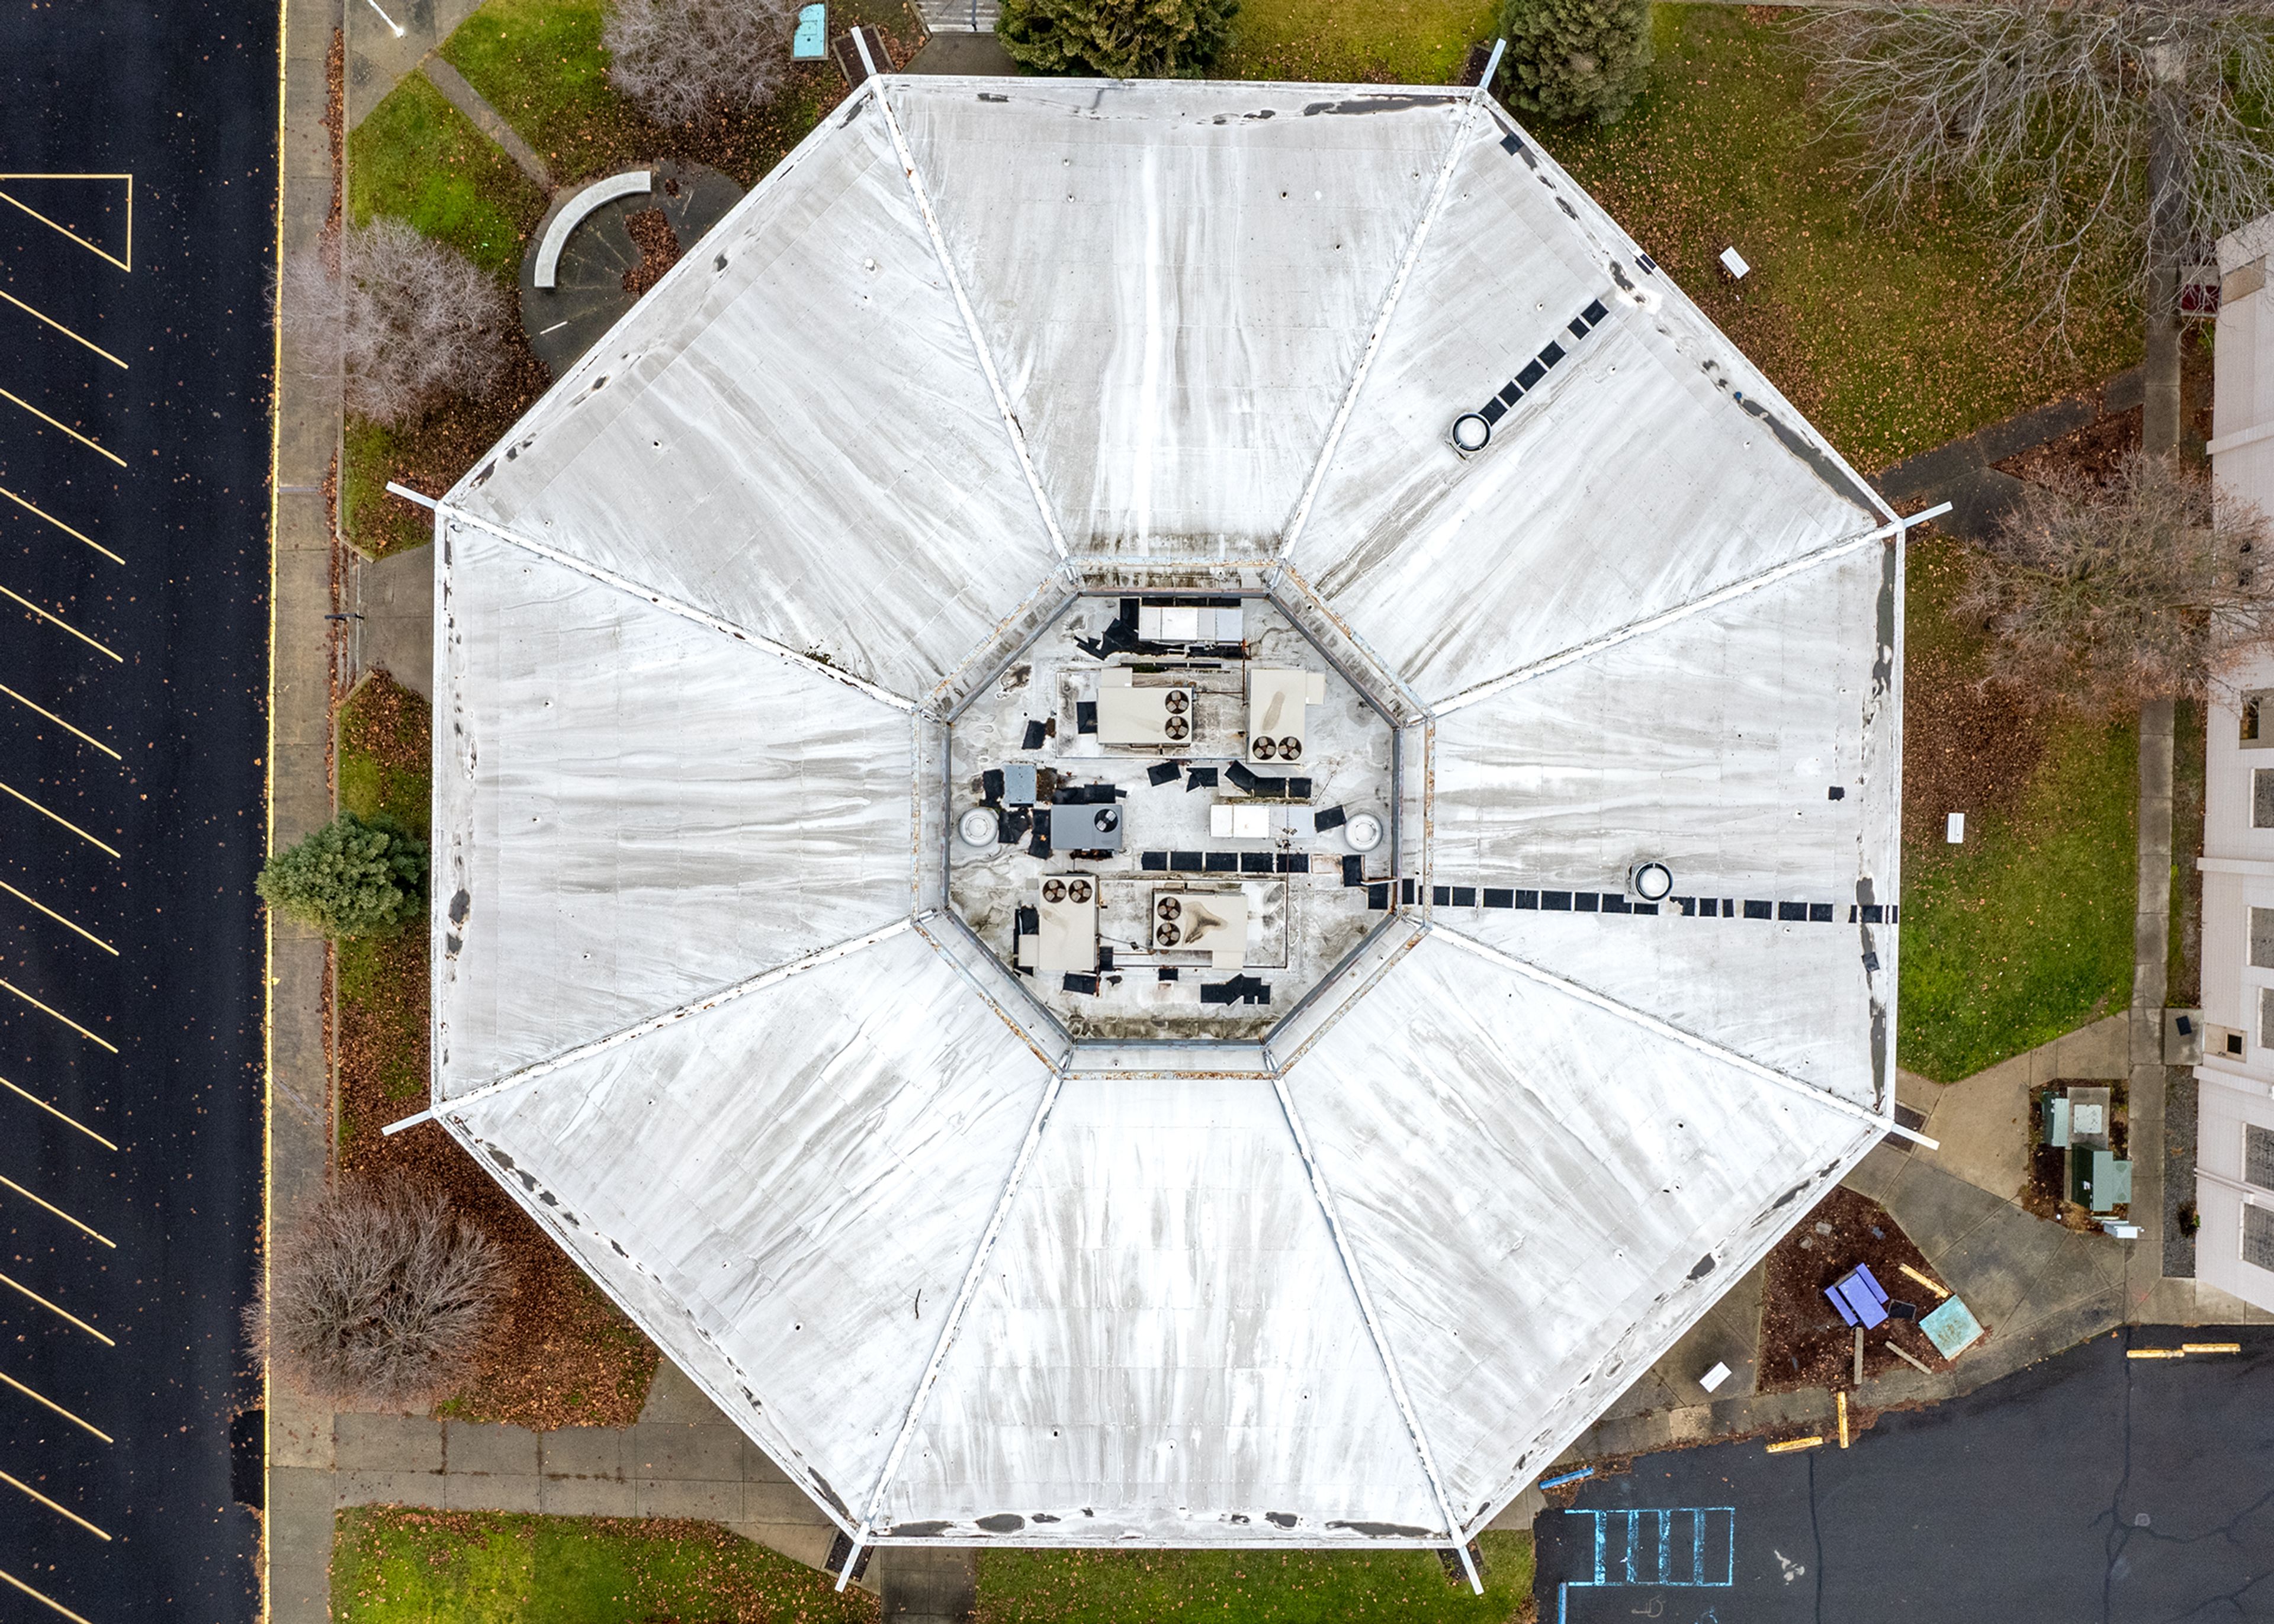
(127,264)
(58,1212)
(58,720)
(59,620)
(59,919)
(60,1510)
(59,524)
(50,1010)
(44,1600)
(58,1116)
(65,331)
(65,427)
(65,822)
(58,1409)
(65,1313)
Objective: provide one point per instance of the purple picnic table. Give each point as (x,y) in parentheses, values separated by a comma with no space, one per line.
(1859,1298)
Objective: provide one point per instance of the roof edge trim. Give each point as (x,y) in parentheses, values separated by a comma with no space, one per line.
(1650,1023)
(1714,599)
(454,1105)
(971,325)
(673,605)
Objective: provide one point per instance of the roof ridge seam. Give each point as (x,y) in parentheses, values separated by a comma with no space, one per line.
(679,607)
(986,356)
(1455,144)
(1324,1196)
(1653,1024)
(987,998)
(965,1293)
(1493,685)
(539,1069)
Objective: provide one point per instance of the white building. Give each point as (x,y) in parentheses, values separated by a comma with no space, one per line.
(1021,439)
(2234,1145)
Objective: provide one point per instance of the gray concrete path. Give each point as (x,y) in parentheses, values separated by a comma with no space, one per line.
(1982,1120)
(1963,474)
(486,119)
(380,59)
(395,597)
(2151,928)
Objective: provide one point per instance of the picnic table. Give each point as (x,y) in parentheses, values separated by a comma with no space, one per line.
(1860,1299)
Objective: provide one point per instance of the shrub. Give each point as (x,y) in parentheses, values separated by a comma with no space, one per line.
(378,1297)
(352,878)
(408,320)
(1573,59)
(676,60)
(1118,39)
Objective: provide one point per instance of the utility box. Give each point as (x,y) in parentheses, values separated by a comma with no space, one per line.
(2089,1110)
(2098,1181)
(2056,1113)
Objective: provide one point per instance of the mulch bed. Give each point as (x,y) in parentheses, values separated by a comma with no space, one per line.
(434,452)
(650,230)
(1967,747)
(1804,1344)
(561,1354)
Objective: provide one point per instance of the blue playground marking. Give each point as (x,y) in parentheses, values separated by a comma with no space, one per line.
(1686,1548)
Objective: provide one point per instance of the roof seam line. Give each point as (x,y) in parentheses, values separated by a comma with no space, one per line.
(1651,1022)
(971,325)
(1713,600)
(1325,1198)
(1287,572)
(676,607)
(1454,148)
(963,1297)
(551,1063)
(986,997)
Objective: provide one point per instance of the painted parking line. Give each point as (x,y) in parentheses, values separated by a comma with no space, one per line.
(46,1008)
(127,264)
(57,619)
(65,822)
(26,1093)
(43,1599)
(58,1212)
(40,1399)
(60,1510)
(59,919)
(58,720)
(65,427)
(65,331)
(75,535)
(11,1281)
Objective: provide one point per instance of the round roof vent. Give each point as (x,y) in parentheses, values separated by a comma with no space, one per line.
(1650,881)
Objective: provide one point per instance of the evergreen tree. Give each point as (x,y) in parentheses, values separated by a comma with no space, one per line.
(350,879)
(1573,59)
(1117,39)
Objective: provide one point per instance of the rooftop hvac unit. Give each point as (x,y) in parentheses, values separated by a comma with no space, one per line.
(1190,623)
(1142,718)
(1066,943)
(1213,922)
(1276,702)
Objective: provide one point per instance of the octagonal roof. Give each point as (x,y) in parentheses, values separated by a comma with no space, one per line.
(979,346)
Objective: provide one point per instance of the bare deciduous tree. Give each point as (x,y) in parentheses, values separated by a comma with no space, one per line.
(680,59)
(377,1295)
(409,319)
(2097,597)
(2107,136)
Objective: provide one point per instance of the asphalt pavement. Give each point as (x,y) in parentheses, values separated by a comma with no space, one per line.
(2090,1487)
(134,455)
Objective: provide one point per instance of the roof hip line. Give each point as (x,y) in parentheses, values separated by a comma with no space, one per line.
(1325,1197)
(963,1296)
(1454,147)
(676,607)
(655,1023)
(1636,628)
(971,325)
(1687,1040)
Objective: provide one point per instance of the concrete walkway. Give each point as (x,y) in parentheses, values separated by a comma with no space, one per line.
(395,597)
(486,119)
(1961,472)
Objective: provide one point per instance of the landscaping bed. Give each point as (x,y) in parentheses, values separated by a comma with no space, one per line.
(403,1567)
(1804,1344)
(561,1354)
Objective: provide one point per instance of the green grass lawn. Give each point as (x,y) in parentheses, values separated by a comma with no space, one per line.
(403,1567)
(1292,1587)
(1360,41)
(393,1567)
(419,158)
(2024,931)
(384,771)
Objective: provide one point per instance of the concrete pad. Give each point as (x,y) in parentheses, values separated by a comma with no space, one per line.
(395,597)
(760,1467)
(387,1443)
(299,1431)
(297,1527)
(583,1452)
(2007,1260)
(675,1450)
(2099,1052)
(674,1496)
(587,1497)
(927,1584)
(471,1446)
(1938,1209)
(961,53)
(487,1492)
(779,1503)
(1983,1125)
(800,1542)
(1876,1175)
(673,1397)
(390,1488)
(378,59)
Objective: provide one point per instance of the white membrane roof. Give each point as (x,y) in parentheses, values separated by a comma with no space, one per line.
(709,618)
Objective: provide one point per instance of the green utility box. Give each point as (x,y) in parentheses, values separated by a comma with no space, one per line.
(2098,1181)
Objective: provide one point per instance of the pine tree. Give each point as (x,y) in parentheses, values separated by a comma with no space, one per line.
(1118,39)
(350,879)
(1573,59)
